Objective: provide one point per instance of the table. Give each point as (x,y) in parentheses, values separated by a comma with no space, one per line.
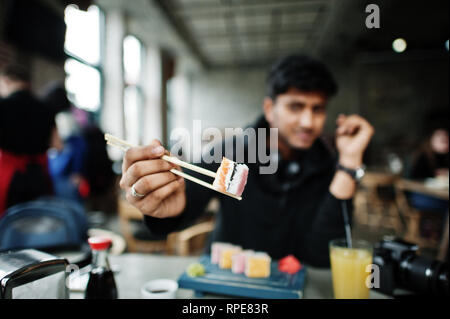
(422,188)
(134,270)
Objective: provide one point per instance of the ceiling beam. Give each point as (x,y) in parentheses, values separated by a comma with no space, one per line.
(182,31)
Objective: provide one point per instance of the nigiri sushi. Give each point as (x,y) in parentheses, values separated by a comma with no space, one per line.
(231,177)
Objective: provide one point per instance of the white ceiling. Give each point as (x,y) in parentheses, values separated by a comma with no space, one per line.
(248,32)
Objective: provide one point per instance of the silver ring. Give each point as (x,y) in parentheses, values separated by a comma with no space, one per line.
(134,193)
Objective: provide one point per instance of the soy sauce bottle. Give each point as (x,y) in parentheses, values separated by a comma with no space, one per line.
(101,284)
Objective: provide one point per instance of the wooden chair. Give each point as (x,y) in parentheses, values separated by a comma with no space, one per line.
(191,240)
(413,217)
(129,214)
(374,210)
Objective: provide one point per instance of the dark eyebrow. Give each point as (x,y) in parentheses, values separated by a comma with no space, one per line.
(296,103)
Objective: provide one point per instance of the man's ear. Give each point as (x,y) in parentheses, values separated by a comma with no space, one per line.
(268,106)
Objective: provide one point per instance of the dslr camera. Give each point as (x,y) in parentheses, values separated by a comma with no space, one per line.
(402,272)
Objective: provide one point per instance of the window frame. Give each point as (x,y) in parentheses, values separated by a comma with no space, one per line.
(99,66)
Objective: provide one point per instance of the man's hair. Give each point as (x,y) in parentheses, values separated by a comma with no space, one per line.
(302,73)
(16,72)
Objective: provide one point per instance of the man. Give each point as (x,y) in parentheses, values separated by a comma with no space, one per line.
(26,127)
(295,211)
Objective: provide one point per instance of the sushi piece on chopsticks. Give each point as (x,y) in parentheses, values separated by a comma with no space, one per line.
(232,185)
(231,177)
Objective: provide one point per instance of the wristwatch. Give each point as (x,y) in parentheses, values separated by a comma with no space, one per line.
(357,174)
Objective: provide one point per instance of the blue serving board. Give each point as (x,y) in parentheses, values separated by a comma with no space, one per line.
(223,282)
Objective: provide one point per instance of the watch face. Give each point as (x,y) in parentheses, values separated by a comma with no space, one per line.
(359,173)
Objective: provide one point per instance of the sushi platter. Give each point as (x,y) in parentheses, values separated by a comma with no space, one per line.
(278,285)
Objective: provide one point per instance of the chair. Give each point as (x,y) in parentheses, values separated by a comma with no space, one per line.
(128,216)
(375,204)
(188,241)
(413,216)
(191,240)
(47,223)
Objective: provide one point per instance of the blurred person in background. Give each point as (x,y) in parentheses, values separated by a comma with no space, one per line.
(432,159)
(430,164)
(27,128)
(67,157)
(80,168)
(99,172)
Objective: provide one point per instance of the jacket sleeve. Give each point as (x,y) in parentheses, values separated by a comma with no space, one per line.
(197,198)
(328,225)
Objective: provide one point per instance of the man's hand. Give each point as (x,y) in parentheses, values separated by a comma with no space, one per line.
(164,191)
(353,134)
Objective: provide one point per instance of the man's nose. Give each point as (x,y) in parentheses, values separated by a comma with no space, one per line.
(305,119)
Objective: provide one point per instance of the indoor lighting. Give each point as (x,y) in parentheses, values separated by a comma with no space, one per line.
(399,45)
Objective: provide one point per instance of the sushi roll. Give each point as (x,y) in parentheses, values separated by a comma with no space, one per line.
(216,250)
(226,256)
(231,177)
(239,260)
(258,265)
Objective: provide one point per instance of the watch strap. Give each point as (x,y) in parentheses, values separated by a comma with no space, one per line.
(352,172)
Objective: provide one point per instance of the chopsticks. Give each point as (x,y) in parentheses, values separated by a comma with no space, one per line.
(114,141)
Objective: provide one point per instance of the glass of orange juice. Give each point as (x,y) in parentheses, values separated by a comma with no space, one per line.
(349,268)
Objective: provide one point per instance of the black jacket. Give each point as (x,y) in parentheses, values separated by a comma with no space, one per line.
(26,124)
(280,214)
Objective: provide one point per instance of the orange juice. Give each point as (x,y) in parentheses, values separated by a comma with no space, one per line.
(348,267)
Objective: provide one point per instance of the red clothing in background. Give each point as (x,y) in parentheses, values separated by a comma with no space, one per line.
(11,166)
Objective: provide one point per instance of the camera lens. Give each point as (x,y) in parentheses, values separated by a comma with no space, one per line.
(424,276)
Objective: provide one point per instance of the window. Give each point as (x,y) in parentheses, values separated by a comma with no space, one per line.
(83,46)
(133,96)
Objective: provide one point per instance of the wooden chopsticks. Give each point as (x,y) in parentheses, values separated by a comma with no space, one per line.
(114,141)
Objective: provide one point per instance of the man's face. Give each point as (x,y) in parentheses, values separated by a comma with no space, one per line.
(299,117)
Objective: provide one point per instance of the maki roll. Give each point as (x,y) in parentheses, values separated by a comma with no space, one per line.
(231,177)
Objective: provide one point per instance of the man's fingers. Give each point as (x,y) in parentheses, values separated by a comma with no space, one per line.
(142,168)
(148,184)
(134,154)
(351,125)
(353,128)
(151,202)
(341,118)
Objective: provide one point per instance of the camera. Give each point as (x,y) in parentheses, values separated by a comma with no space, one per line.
(402,272)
